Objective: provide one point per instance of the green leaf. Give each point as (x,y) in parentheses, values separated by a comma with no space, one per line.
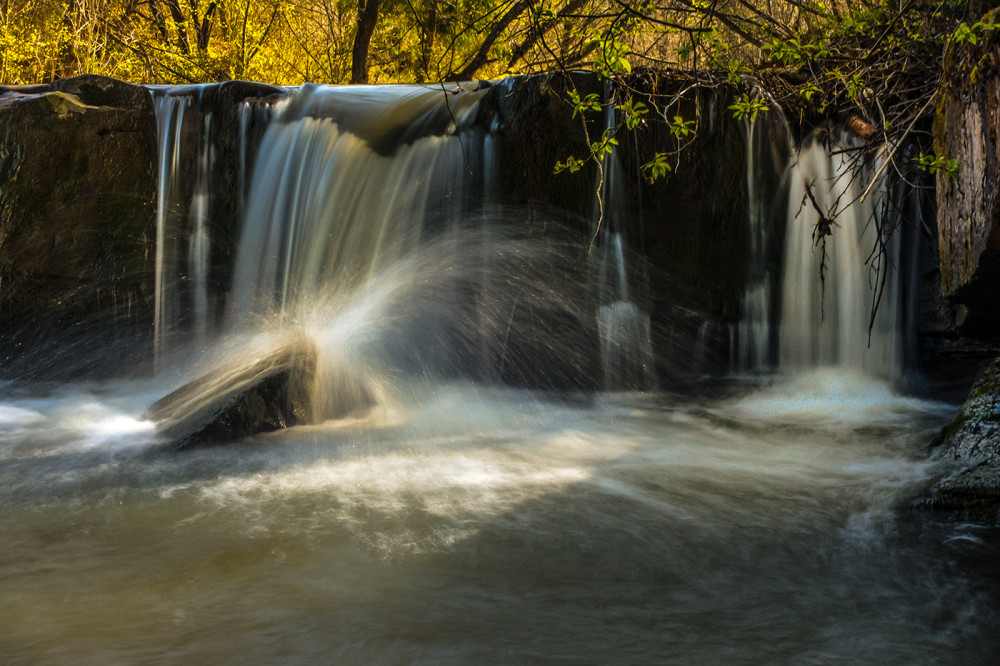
(657,168)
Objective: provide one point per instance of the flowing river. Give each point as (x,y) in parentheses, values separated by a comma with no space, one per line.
(461,520)
(478,525)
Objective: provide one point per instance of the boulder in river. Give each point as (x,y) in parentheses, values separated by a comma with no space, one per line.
(240,398)
(972,441)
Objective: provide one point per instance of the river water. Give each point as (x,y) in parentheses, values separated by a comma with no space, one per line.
(480,525)
(457,522)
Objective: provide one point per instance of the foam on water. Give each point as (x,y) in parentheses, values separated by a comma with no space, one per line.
(468,501)
(833,396)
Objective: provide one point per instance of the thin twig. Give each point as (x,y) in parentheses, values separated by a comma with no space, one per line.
(892,154)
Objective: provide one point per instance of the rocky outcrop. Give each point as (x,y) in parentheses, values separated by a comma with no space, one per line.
(240,398)
(972,443)
(77,202)
(687,260)
(967,129)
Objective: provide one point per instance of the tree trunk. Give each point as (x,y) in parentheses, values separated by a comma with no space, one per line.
(427,45)
(204,28)
(482,55)
(367,18)
(181,22)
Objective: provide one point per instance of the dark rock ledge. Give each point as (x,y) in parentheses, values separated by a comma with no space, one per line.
(971,441)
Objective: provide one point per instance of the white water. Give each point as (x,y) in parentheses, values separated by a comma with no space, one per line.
(826,315)
(476,525)
(326,211)
(457,523)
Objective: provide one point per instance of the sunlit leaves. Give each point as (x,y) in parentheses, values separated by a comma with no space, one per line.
(656,168)
(571,165)
(932,164)
(611,56)
(681,128)
(633,111)
(591,102)
(966,34)
(605,145)
(748,108)
(808,90)
(735,71)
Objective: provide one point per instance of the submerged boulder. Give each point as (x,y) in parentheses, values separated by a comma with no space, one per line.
(972,441)
(240,398)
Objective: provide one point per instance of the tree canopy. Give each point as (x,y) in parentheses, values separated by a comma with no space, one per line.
(387,41)
(881,60)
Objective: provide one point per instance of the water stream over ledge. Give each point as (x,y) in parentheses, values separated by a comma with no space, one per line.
(507,495)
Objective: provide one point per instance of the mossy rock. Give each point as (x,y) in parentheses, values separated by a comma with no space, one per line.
(971,441)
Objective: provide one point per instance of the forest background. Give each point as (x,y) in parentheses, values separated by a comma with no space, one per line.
(882,60)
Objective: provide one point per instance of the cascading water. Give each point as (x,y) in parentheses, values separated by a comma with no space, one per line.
(351,187)
(480,524)
(769,152)
(327,211)
(623,326)
(841,259)
(183,239)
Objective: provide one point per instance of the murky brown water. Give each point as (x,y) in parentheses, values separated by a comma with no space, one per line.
(482,526)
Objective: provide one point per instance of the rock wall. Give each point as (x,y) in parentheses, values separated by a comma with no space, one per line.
(971,444)
(689,258)
(77,202)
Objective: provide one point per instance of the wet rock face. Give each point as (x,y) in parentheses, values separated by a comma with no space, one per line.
(239,399)
(967,128)
(77,229)
(688,259)
(972,442)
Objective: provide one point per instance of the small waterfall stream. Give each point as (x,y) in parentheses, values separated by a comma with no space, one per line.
(833,283)
(769,151)
(487,517)
(623,326)
(183,235)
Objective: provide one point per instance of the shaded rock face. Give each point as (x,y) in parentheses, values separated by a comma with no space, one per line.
(687,260)
(242,398)
(77,202)
(972,442)
(967,128)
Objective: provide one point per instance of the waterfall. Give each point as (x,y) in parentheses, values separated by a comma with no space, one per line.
(327,211)
(183,236)
(769,152)
(833,283)
(350,189)
(334,193)
(622,324)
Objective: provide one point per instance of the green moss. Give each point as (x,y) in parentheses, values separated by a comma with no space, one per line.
(950,430)
(64,105)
